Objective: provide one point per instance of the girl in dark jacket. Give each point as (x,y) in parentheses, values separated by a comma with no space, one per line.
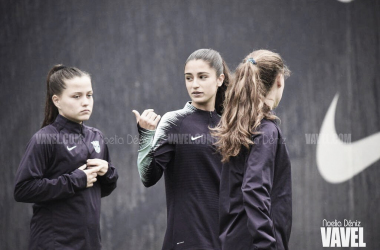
(181,148)
(255,191)
(66,168)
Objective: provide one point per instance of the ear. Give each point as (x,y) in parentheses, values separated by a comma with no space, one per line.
(55,100)
(220,80)
(279,80)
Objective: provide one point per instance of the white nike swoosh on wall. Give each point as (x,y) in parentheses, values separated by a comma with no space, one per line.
(338,162)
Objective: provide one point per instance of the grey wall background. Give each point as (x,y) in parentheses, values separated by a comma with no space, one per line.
(135,51)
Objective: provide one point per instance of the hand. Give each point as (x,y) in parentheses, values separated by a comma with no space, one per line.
(148,119)
(99,164)
(90,173)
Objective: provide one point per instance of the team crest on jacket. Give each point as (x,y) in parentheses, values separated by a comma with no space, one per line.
(96,146)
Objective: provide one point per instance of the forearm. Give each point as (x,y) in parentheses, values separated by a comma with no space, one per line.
(43,189)
(257,205)
(108,181)
(149,171)
(257,188)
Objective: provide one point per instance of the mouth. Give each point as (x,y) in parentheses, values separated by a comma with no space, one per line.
(85,111)
(196,93)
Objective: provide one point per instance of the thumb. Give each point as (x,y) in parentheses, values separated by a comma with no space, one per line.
(83,167)
(137,114)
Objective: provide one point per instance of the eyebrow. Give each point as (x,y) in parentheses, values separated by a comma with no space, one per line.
(199,73)
(82,92)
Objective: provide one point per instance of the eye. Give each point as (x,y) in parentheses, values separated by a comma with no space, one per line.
(89,95)
(188,78)
(203,77)
(76,96)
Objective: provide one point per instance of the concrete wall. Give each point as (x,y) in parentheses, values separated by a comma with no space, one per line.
(135,51)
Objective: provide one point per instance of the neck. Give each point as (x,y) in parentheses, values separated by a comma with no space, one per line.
(270,100)
(204,107)
(270,103)
(80,122)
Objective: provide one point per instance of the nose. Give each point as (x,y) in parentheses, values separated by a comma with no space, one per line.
(85,101)
(195,83)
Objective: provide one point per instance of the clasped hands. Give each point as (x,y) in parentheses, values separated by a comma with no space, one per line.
(93,168)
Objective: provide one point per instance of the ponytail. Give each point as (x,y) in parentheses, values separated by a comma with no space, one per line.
(55,84)
(51,111)
(220,95)
(244,105)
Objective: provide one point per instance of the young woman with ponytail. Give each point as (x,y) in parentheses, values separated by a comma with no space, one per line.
(182,149)
(255,192)
(66,168)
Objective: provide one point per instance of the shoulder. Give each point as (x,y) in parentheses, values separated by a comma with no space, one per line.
(44,138)
(93,130)
(49,129)
(173,118)
(47,132)
(268,126)
(170,123)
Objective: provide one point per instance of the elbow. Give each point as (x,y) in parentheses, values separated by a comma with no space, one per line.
(18,195)
(148,183)
(21,194)
(107,191)
(148,180)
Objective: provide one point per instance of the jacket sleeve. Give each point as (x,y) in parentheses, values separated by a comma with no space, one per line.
(156,150)
(257,186)
(108,181)
(32,186)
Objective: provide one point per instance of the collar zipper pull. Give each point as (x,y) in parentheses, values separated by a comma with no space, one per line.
(81,129)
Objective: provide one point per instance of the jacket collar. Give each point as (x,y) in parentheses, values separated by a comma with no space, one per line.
(190,107)
(72,127)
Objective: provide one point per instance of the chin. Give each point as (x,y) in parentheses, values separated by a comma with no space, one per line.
(198,100)
(84,117)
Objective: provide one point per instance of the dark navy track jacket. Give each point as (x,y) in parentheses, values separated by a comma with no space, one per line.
(66,214)
(183,150)
(256,194)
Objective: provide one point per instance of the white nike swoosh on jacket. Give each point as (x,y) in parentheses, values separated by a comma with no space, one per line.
(194,138)
(338,162)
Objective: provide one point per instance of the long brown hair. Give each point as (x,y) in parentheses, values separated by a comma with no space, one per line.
(244,106)
(55,84)
(215,61)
